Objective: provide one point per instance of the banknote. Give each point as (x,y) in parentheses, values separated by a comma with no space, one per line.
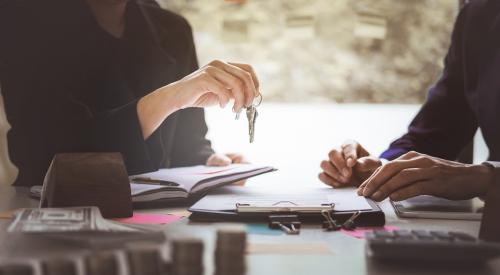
(55,219)
(70,219)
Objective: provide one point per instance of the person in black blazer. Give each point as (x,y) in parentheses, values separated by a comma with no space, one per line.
(465,98)
(109,75)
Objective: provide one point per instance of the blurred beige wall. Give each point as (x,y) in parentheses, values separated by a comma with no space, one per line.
(8,172)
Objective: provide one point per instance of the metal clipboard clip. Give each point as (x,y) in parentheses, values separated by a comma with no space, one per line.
(282,207)
(283,215)
(289,224)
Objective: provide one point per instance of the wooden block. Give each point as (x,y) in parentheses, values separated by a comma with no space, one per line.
(89,179)
(7,215)
(490,224)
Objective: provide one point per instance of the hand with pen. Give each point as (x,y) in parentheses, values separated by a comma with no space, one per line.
(410,175)
(348,165)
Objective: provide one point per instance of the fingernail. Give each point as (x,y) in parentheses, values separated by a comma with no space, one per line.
(345,172)
(394,197)
(349,162)
(377,195)
(366,192)
(360,192)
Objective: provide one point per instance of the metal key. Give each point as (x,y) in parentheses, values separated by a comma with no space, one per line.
(252,117)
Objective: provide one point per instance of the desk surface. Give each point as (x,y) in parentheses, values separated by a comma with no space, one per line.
(347,256)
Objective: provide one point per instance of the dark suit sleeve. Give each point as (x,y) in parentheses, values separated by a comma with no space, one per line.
(190,145)
(445,123)
(120,130)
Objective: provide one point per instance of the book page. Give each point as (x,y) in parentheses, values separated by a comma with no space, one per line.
(189,177)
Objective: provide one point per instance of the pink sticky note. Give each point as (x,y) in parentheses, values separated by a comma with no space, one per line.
(144,218)
(359,232)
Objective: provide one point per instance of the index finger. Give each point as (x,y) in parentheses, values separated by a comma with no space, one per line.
(249,69)
(388,171)
(250,91)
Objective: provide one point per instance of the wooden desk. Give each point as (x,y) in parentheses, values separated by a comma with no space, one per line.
(347,256)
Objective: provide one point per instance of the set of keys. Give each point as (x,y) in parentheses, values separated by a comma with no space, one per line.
(252,114)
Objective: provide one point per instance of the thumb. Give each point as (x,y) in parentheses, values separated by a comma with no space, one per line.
(218,160)
(350,152)
(237,158)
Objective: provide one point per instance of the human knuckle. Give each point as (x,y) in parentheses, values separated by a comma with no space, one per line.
(405,173)
(389,166)
(215,62)
(436,169)
(204,75)
(247,76)
(210,69)
(411,153)
(396,195)
(239,84)
(332,153)
(246,67)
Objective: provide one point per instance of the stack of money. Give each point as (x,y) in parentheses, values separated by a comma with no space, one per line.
(55,219)
(16,269)
(70,219)
(145,261)
(230,251)
(187,256)
(59,267)
(103,263)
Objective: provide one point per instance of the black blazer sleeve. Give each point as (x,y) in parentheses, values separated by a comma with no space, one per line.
(186,129)
(446,122)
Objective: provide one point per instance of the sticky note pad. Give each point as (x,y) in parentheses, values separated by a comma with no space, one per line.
(145,218)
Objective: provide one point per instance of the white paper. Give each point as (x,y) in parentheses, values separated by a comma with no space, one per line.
(345,199)
(348,200)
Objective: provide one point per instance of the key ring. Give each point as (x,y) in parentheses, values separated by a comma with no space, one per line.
(260,98)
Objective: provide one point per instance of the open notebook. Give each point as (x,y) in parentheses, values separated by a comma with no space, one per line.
(177,183)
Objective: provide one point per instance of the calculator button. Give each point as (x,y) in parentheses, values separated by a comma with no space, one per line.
(440,234)
(384,234)
(422,234)
(403,233)
(462,237)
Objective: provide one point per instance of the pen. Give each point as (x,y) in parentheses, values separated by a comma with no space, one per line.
(154,181)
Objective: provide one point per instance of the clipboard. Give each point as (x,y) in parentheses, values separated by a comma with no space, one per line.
(283,207)
(372,216)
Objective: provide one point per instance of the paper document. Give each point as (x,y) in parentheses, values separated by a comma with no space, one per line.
(347,199)
(344,199)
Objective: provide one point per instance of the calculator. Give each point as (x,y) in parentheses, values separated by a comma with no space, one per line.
(429,246)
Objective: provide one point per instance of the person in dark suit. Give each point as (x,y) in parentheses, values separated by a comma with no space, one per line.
(465,98)
(109,75)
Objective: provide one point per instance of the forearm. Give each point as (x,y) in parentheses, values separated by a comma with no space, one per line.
(154,108)
(494,169)
(480,177)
